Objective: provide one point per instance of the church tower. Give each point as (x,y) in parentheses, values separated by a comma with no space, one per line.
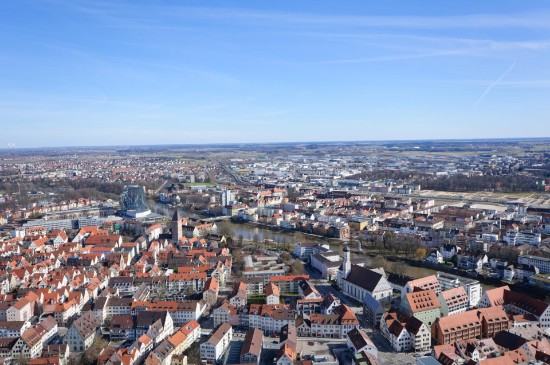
(346,266)
(344,270)
(176,227)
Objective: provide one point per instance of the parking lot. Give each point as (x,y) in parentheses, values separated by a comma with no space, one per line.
(318,348)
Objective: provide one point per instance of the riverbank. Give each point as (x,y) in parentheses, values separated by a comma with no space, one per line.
(257,231)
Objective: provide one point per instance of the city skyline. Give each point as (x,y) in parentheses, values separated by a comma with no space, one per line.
(114,73)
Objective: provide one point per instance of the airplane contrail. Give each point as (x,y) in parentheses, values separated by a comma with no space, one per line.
(495,83)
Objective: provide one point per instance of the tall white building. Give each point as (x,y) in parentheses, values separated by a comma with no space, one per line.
(213,349)
(227,197)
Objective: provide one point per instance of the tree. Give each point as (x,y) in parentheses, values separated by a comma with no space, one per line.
(225,229)
(398,268)
(376,244)
(409,248)
(22,360)
(238,262)
(285,257)
(193,354)
(91,354)
(388,240)
(297,268)
(420,253)
(380,261)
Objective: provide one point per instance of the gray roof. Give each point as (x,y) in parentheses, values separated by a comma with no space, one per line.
(87,324)
(373,304)
(429,360)
(364,278)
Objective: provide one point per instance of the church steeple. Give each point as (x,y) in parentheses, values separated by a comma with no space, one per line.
(177,230)
(346,266)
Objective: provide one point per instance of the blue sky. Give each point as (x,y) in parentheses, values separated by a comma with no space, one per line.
(155,72)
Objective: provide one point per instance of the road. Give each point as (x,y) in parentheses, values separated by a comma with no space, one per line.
(160,187)
(386,355)
(235,177)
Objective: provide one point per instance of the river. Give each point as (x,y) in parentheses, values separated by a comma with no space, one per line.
(249,232)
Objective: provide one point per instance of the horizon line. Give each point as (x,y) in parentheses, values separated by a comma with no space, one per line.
(508,139)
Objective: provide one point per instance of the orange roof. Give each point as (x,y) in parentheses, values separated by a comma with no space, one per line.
(458,321)
(45,361)
(177,338)
(422,301)
(189,327)
(211,284)
(187,276)
(428,282)
(272,289)
(496,295)
(144,339)
(286,350)
(455,295)
(288,278)
(346,314)
(494,314)
(199,268)
(166,305)
(21,303)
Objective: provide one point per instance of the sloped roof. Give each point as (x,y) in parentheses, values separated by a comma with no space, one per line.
(496,295)
(421,301)
(364,278)
(359,339)
(87,324)
(253,342)
(525,302)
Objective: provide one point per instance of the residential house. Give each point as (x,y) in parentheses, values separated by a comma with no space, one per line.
(286,355)
(425,283)
(214,348)
(449,250)
(423,305)
(453,301)
(238,297)
(307,290)
(82,332)
(210,291)
(272,294)
(405,333)
(251,351)
(225,313)
(21,310)
(335,325)
(358,341)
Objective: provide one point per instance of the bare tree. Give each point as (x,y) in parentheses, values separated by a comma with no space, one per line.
(297,268)
(380,261)
(398,268)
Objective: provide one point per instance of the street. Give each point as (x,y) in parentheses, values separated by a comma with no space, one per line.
(386,355)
